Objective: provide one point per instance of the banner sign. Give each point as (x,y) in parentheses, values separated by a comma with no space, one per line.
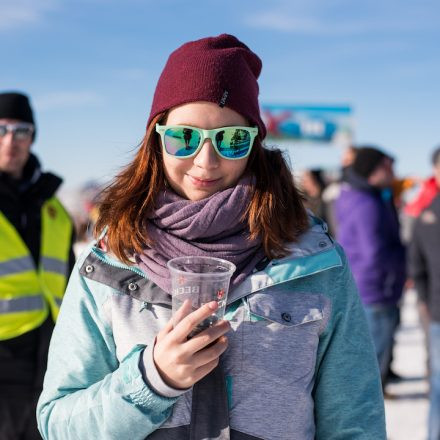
(308,122)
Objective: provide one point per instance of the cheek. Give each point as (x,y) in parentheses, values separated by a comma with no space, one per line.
(233,170)
(175,168)
(168,165)
(20,149)
(23,148)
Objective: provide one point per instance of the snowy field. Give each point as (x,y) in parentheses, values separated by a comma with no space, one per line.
(406,404)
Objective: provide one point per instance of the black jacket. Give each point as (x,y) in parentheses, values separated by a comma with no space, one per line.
(23,359)
(424,257)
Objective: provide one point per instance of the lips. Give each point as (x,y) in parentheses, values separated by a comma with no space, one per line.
(203,182)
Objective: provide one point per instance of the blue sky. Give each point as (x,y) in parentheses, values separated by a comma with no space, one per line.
(91,66)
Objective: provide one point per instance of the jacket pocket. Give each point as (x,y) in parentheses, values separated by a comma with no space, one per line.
(281,335)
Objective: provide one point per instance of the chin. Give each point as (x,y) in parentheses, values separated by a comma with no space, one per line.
(199,195)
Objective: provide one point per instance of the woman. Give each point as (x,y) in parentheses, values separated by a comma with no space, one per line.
(293,358)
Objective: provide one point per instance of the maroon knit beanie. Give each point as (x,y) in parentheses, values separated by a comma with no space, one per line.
(219,69)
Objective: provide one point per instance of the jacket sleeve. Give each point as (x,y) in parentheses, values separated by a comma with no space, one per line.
(347,391)
(87,393)
(417,264)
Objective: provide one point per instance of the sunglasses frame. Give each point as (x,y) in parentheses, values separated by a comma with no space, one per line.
(206,134)
(14,126)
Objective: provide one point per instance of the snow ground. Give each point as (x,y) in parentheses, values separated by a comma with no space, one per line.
(407,405)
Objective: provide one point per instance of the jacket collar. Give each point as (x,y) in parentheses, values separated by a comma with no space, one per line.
(313,253)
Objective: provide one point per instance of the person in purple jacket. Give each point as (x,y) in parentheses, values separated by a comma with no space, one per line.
(368,230)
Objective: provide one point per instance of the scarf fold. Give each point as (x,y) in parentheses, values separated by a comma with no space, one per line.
(208,227)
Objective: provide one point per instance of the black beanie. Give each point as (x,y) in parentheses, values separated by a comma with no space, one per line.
(15,105)
(366,161)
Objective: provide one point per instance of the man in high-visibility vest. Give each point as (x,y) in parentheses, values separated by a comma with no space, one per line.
(36,258)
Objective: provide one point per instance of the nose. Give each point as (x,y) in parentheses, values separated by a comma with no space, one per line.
(207,157)
(7,139)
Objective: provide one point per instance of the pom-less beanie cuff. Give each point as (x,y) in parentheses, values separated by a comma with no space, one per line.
(14,105)
(222,70)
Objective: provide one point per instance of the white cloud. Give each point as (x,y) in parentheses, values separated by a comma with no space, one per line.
(17,13)
(340,18)
(67,99)
(315,25)
(283,22)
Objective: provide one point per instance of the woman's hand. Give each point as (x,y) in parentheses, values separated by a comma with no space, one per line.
(182,362)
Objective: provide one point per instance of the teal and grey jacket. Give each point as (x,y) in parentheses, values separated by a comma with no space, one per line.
(300,362)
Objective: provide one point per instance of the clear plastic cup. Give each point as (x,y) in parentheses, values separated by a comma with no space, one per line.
(200,280)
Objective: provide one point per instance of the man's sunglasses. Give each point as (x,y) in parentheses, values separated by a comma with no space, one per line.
(20,131)
(183,141)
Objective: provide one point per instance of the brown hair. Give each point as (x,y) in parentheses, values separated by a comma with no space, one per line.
(275,213)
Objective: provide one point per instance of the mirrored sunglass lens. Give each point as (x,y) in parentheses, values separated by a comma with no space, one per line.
(181,141)
(3,130)
(233,143)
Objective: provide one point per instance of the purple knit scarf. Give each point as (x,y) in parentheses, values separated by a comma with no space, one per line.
(208,227)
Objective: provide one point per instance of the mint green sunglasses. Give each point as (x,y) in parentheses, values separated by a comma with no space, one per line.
(184,141)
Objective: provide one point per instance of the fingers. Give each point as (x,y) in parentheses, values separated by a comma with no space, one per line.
(208,336)
(212,353)
(187,324)
(205,369)
(183,311)
(168,327)
(182,362)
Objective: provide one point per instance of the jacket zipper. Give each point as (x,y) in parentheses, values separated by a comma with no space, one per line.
(118,265)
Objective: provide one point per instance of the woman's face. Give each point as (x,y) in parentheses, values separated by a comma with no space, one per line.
(200,176)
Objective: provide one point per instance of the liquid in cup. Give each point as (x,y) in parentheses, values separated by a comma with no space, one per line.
(200,280)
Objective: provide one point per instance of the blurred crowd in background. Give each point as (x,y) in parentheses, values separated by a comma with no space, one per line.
(389,227)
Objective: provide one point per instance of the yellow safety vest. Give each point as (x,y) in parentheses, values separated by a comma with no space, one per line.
(26,292)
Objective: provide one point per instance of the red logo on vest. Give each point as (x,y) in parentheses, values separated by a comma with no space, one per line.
(51,211)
